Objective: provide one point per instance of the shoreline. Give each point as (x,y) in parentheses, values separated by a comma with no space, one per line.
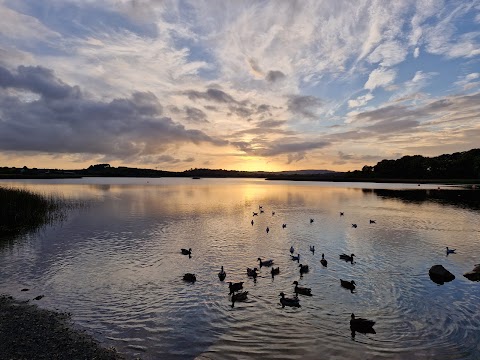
(29,332)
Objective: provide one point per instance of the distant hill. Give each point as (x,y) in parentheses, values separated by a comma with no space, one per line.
(305,172)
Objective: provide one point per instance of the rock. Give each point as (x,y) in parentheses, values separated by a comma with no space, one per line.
(438,274)
(473,275)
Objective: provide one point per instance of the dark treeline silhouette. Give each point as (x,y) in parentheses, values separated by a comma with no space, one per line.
(460,165)
(457,166)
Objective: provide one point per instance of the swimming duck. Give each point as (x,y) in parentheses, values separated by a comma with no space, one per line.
(275,271)
(347,257)
(187,252)
(372,222)
(361,325)
(222,274)
(233,287)
(303,269)
(241,296)
(450,251)
(341,214)
(38,297)
(294,302)
(273,213)
(251,222)
(354,226)
(292,250)
(311,221)
(261,211)
(302,290)
(295,258)
(267,229)
(350,285)
(190,277)
(284,226)
(312,249)
(265,263)
(252,273)
(323,261)
(255,213)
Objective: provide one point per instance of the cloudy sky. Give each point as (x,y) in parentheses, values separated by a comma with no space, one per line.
(247,85)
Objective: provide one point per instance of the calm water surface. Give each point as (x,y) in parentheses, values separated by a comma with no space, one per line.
(116,266)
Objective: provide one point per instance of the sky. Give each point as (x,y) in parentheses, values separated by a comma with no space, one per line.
(245,85)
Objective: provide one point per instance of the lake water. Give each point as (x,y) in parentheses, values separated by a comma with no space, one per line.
(116,266)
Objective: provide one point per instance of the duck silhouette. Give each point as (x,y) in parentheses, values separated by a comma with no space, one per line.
(347,257)
(241,296)
(222,274)
(323,261)
(302,290)
(293,302)
(350,285)
(361,325)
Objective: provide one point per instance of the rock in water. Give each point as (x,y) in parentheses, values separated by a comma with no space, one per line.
(438,274)
(473,275)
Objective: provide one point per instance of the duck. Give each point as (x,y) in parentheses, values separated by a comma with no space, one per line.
(261,211)
(190,277)
(354,226)
(323,261)
(241,296)
(265,263)
(275,271)
(294,302)
(347,257)
(234,287)
(38,297)
(341,213)
(372,222)
(268,229)
(284,226)
(222,274)
(303,269)
(361,325)
(292,250)
(302,290)
(251,222)
(311,221)
(295,258)
(350,285)
(255,213)
(273,213)
(187,252)
(312,249)
(450,251)
(252,273)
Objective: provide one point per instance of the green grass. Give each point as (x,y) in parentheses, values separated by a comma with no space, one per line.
(23,211)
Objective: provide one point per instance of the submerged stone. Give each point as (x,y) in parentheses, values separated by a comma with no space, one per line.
(473,275)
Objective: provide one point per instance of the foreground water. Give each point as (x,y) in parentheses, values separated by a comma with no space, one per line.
(116,266)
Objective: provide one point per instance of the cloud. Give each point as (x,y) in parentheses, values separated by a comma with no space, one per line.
(388,54)
(360,101)
(195,115)
(380,77)
(214,95)
(63,120)
(416,52)
(304,105)
(274,76)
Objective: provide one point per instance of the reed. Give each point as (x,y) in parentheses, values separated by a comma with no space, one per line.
(23,211)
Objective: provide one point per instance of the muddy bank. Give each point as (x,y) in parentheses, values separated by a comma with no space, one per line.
(28,332)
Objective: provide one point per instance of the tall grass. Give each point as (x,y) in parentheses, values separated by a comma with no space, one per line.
(23,211)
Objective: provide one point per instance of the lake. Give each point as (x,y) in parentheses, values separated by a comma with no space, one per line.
(116,266)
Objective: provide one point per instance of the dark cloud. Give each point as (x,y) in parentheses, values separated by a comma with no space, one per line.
(195,115)
(254,65)
(214,95)
(274,75)
(62,120)
(348,158)
(392,126)
(263,108)
(304,105)
(270,123)
(279,147)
